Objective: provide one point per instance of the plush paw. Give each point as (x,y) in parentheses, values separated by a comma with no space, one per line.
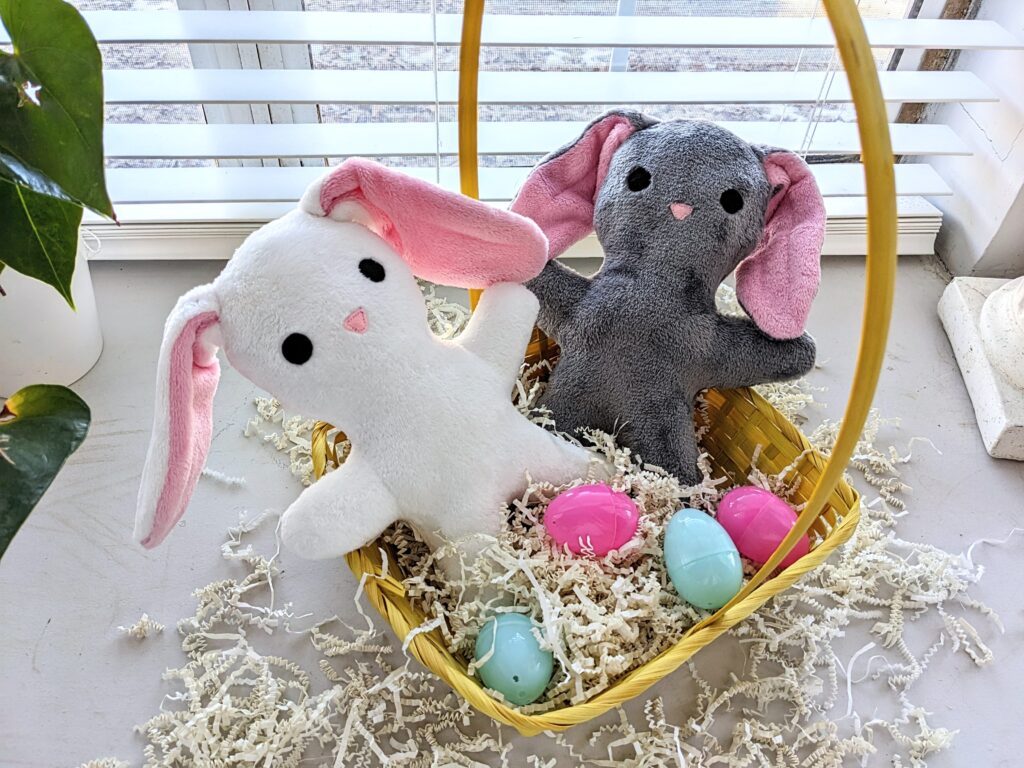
(686,474)
(803,355)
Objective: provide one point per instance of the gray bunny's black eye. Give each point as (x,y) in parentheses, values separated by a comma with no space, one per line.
(639,178)
(732,201)
(297,348)
(371,270)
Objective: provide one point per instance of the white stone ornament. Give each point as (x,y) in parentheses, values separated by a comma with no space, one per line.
(984,320)
(1002,331)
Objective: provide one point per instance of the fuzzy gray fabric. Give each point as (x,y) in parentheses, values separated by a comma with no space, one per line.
(643,337)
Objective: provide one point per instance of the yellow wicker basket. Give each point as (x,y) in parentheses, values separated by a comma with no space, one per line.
(738,420)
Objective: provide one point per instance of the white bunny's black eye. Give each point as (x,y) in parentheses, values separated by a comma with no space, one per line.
(372,270)
(297,348)
(732,201)
(639,178)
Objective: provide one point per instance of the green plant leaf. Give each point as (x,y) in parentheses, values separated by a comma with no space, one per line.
(40,426)
(51,102)
(13,170)
(40,236)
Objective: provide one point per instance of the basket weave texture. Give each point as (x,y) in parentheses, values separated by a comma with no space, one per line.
(738,422)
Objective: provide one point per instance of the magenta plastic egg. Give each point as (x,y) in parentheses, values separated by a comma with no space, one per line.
(596,517)
(757,521)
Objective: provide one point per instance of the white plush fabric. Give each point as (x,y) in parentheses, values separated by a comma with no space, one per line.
(435,438)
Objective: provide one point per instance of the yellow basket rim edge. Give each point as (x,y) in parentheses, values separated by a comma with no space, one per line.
(428,644)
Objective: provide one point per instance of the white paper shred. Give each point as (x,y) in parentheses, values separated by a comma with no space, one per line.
(142,628)
(287,433)
(222,478)
(793,701)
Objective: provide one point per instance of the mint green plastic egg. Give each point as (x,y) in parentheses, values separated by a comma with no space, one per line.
(518,669)
(701,559)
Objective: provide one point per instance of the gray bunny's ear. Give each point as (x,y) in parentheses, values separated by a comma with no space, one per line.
(777,282)
(560,192)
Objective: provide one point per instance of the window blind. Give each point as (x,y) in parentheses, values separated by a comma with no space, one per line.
(183,188)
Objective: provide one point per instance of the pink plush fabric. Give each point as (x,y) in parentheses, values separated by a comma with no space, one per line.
(356,321)
(681,210)
(560,194)
(778,281)
(193,375)
(445,237)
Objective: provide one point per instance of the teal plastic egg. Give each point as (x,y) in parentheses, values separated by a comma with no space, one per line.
(701,559)
(518,669)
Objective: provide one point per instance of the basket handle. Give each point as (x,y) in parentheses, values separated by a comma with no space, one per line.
(469,85)
(880,268)
(880,279)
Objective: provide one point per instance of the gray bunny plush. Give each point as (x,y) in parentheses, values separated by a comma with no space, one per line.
(677,206)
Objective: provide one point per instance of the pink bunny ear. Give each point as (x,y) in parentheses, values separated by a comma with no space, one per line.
(777,282)
(187,377)
(445,237)
(561,192)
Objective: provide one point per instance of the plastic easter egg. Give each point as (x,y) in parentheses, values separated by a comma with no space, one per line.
(701,559)
(595,515)
(518,668)
(758,521)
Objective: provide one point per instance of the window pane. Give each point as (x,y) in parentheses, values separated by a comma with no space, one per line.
(506,59)
(170,56)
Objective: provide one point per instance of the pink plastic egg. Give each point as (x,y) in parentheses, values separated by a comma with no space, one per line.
(596,517)
(757,521)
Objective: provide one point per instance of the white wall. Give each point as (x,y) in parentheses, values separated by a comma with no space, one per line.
(983,231)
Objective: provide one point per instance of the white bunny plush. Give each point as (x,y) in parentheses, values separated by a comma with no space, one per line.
(321,309)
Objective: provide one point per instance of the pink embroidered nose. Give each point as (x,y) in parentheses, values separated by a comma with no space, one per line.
(681,210)
(356,321)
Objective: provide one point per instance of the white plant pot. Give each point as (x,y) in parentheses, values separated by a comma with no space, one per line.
(42,340)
